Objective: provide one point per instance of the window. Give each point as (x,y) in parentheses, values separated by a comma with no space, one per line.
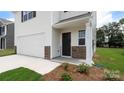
(26,15)
(2,30)
(81,40)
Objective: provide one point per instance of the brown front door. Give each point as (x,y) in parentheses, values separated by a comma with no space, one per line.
(66,44)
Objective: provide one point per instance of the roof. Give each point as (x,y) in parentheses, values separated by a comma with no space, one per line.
(4,21)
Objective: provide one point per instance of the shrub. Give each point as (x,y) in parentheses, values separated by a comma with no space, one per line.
(111,75)
(65,66)
(66,77)
(42,78)
(83,68)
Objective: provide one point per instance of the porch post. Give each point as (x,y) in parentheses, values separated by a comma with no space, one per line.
(89,43)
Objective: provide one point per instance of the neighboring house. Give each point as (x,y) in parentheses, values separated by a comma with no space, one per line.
(6,34)
(51,34)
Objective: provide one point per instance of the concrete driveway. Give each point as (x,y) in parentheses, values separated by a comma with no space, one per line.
(39,65)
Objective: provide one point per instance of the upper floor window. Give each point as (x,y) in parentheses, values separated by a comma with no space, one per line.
(2,30)
(26,15)
(81,40)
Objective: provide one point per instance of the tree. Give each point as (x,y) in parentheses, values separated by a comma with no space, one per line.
(113,30)
(100,38)
(121,21)
(114,33)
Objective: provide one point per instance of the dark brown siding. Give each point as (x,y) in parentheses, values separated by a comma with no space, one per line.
(79,52)
(47,52)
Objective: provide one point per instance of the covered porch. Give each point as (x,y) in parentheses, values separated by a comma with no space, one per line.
(65,37)
(68,60)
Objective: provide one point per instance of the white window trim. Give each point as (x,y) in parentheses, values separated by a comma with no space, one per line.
(5,43)
(82,37)
(26,13)
(5,30)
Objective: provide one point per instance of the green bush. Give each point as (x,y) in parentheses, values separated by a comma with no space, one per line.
(83,68)
(66,77)
(65,66)
(42,78)
(111,75)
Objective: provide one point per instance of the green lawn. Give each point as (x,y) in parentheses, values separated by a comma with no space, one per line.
(20,74)
(7,52)
(111,58)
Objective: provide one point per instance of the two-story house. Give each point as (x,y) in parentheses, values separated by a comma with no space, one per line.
(51,34)
(6,34)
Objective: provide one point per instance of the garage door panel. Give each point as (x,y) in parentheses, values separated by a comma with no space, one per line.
(32,45)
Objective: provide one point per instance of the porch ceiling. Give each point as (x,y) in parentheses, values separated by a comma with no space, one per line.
(81,22)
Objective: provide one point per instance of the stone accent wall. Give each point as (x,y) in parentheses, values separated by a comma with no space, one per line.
(79,52)
(47,52)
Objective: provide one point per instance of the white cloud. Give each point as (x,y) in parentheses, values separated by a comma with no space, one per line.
(103,18)
(11,19)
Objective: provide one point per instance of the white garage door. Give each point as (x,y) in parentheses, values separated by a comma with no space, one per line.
(32,45)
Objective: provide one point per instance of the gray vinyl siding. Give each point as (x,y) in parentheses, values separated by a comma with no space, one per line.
(0,43)
(10,36)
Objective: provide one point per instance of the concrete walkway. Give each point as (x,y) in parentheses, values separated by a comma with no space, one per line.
(68,60)
(39,65)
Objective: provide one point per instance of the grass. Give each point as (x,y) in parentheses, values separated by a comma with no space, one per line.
(111,58)
(7,52)
(20,74)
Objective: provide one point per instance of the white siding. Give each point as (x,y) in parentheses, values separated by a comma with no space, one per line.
(40,24)
(56,48)
(60,15)
(31,36)
(70,14)
(55,17)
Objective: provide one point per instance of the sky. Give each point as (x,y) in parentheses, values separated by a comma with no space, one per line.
(7,15)
(103,17)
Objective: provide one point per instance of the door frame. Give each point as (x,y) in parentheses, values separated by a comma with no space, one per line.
(0,43)
(62,47)
(3,41)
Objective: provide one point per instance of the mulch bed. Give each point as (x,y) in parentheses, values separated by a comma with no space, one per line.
(95,74)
